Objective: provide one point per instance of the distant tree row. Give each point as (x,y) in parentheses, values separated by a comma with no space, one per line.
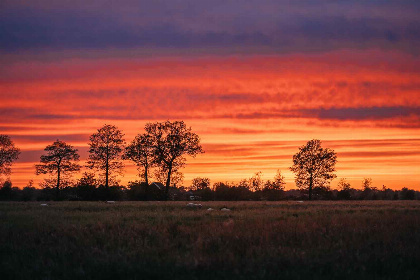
(162,148)
(88,189)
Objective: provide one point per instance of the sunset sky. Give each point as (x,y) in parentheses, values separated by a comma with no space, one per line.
(254,79)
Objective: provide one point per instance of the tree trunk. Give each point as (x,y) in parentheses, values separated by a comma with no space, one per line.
(168,182)
(57,192)
(106,172)
(310,187)
(106,177)
(107,196)
(146,177)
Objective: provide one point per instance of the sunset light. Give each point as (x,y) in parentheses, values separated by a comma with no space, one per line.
(251,110)
(209,139)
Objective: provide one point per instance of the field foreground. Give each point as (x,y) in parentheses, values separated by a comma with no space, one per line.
(166,240)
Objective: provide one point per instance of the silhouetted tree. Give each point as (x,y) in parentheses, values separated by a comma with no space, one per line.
(369,191)
(244,184)
(314,166)
(171,141)
(59,160)
(28,192)
(407,194)
(277,184)
(6,191)
(343,185)
(140,151)
(86,187)
(223,191)
(367,183)
(106,148)
(387,193)
(344,189)
(8,153)
(322,192)
(242,191)
(200,184)
(274,189)
(201,188)
(88,179)
(138,191)
(161,176)
(256,182)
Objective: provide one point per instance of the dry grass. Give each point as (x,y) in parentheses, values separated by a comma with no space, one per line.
(165,240)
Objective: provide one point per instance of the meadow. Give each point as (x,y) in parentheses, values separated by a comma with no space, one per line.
(167,240)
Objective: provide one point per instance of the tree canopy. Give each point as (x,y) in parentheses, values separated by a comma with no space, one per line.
(140,151)
(256,182)
(277,184)
(60,160)
(200,184)
(314,166)
(106,148)
(171,142)
(8,154)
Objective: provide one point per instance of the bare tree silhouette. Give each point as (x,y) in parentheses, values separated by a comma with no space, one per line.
(171,142)
(277,184)
(106,148)
(256,182)
(8,154)
(161,175)
(314,166)
(140,151)
(60,160)
(343,185)
(200,184)
(367,184)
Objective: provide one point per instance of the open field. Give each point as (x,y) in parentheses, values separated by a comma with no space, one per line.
(255,240)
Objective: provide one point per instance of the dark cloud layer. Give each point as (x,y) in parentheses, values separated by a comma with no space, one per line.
(408,117)
(276,26)
(362,113)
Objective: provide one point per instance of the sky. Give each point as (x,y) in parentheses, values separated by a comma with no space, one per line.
(255,79)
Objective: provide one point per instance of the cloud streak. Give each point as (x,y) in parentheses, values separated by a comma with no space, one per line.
(336,86)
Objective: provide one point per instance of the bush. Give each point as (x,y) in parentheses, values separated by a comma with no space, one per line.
(28,194)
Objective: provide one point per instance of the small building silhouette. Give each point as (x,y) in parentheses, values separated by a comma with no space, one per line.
(156,191)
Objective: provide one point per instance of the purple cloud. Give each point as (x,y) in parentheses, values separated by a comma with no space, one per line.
(275,26)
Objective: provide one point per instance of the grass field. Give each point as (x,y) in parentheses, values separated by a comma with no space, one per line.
(166,240)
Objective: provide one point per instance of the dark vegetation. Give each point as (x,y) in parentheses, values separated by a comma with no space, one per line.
(85,190)
(167,240)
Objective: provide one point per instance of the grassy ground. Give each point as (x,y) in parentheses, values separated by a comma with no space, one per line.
(255,240)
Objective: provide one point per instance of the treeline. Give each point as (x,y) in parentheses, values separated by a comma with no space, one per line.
(162,148)
(87,189)
(160,153)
